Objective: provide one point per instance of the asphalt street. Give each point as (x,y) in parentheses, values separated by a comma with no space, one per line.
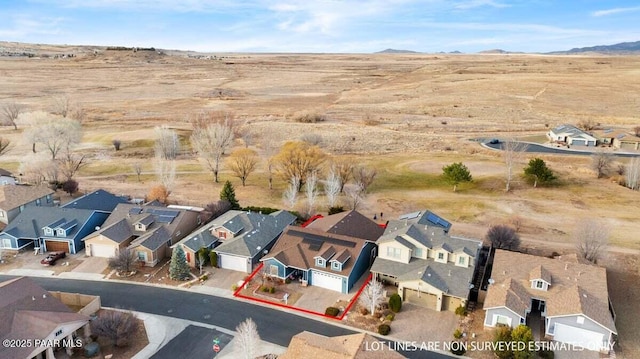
(274,326)
(535,148)
(193,343)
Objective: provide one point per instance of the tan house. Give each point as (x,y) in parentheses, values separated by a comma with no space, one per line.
(13,199)
(29,313)
(148,230)
(307,345)
(430,268)
(569,298)
(618,138)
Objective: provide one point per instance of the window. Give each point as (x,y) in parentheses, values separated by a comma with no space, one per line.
(139,227)
(417,252)
(48,231)
(59,332)
(142,256)
(539,284)
(336,266)
(394,252)
(462,260)
(440,256)
(222,234)
(273,270)
(502,319)
(21,207)
(38,202)
(552,328)
(580,320)
(61,233)
(2,214)
(320,262)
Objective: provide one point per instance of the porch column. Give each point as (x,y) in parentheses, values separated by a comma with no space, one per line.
(39,355)
(50,353)
(69,348)
(86,329)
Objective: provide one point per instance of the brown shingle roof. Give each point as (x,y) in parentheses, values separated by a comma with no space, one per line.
(540,272)
(14,196)
(351,223)
(575,288)
(311,345)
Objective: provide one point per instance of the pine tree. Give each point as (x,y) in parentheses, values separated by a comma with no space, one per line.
(538,172)
(228,193)
(178,268)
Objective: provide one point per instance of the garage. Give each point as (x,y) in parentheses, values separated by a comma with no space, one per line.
(232,262)
(577,142)
(422,299)
(450,303)
(56,246)
(102,250)
(327,281)
(578,337)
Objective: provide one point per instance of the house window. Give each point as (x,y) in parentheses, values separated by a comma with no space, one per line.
(336,266)
(320,262)
(21,207)
(61,233)
(552,328)
(38,202)
(59,332)
(461,260)
(2,214)
(394,252)
(142,256)
(502,319)
(48,231)
(539,284)
(139,227)
(273,270)
(417,252)
(580,320)
(440,256)
(222,234)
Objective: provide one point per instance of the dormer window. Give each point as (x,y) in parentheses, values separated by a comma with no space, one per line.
(539,284)
(61,232)
(48,231)
(320,262)
(440,256)
(417,252)
(462,260)
(337,266)
(140,227)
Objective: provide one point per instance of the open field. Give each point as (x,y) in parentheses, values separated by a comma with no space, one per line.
(405,115)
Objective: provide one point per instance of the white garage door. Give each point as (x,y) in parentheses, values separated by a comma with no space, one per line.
(232,262)
(578,337)
(578,142)
(101,250)
(327,281)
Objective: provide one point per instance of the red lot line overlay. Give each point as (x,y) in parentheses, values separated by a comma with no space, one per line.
(346,310)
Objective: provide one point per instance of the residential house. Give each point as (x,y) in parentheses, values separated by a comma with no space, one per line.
(429,267)
(29,313)
(14,199)
(6,178)
(618,138)
(572,136)
(308,345)
(570,298)
(51,228)
(99,200)
(149,230)
(332,252)
(239,238)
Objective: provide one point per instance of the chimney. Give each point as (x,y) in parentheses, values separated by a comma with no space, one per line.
(566,266)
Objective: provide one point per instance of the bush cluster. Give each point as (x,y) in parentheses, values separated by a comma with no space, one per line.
(332,311)
(384,329)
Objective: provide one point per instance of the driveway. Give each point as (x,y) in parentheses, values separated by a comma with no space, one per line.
(415,323)
(91,265)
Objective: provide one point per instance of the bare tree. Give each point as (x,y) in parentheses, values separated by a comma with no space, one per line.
(248,338)
(70,164)
(202,258)
(373,296)
(10,113)
(123,261)
(601,163)
(36,169)
(270,147)
(116,325)
(56,134)
(503,237)
(364,176)
(79,113)
(311,191)
(591,236)
(62,105)
(215,209)
(166,172)
(633,174)
(290,194)
(212,136)
(137,168)
(355,193)
(332,187)
(167,143)
(242,163)
(512,152)
(5,145)
(344,169)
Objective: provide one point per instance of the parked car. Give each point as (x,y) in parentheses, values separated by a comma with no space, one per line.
(52,257)
(494,141)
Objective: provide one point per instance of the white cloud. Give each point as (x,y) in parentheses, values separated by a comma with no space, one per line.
(22,26)
(614,11)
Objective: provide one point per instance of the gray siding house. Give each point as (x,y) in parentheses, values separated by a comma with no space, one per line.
(14,199)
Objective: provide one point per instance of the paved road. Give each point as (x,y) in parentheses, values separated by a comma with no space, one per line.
(274,326)
(536,148)
(193,343)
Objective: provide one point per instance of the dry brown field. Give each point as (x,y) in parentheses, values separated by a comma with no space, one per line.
(406,115)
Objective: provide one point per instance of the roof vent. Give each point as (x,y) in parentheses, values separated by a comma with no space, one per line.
(491,281)
(566,266)
(449,272)
(584,295)
(44,296)
(33,298)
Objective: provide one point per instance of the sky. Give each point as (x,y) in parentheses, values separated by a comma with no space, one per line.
(324,26)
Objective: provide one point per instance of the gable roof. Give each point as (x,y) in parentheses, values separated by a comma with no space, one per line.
(14,196)
(153,239)
(429,237)
(539,272)
(423,218)
(255,231)
(576,288)
(297,247)
(99,200)
(119,231)
(5,173)
(27,311)
(308,345)
(350,223)
(30,222)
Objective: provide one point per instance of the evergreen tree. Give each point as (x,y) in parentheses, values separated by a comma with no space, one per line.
(228,193)
(522,334)
(456,173)
(538,172)
(178,268)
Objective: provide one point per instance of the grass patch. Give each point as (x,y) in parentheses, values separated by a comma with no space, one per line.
(407,180)
(106,169)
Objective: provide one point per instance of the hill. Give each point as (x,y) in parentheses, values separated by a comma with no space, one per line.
(395,51)
(620,48)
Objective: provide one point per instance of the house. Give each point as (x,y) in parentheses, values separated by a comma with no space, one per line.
(51,228)
(29,313)
(149,230)
(572,136)
(618,138)
(240,238)
(332,252)
(570,298)
(429,267)
(13,199)
(99,200)
(308,345)
(6,178)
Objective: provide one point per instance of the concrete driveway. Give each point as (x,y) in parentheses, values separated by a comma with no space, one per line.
(414,323)
(318,299)
(91,265)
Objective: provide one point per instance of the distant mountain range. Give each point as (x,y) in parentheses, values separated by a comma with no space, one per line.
(621,48)
(396,51)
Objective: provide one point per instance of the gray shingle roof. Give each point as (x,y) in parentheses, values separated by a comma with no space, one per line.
(154,239)
(202,238)
(119,231)
(29,223)
(430,237)
(99,200)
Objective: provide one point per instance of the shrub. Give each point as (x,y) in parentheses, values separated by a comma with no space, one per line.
(204,277)
(458,348)
(377,315)
(364,311)
(213,259)
(272,290)
(390,317)
(384,329)
(395,302)
(287,281)
(116,144)
(457,333)
(336,209)
(546,354)
(461,311)
(264,288)
(308,117)
(234,287)
(263,210)
(332,311)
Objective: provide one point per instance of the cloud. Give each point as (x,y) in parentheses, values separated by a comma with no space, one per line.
(472,4)
(613,11)
(22,26)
